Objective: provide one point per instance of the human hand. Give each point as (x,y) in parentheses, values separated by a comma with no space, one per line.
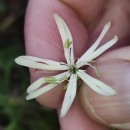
(85,20)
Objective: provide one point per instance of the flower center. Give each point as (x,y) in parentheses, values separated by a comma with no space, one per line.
(72,69)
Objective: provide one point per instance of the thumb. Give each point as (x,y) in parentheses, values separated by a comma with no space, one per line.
(76,119)
(114,68)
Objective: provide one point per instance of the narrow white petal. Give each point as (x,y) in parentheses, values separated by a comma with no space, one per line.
(69,95)
(104,87)
(70,49)
(65,36)
(32,64)
(79,65)
(95,45)
(40,91)
(36,59)
(44,89)
(62,30)
(82,64)
(96,85)
(90,83)
(102,49)
(34,86)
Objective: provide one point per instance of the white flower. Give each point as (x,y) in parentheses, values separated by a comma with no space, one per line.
(71,69)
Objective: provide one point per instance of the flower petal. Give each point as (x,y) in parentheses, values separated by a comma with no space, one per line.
(69,95)
(25,61)
(66,39)
(40,91)
(96,85)
(45,88)
(34,86)
(95,45)
(102,49)
(82,64)
(36,59)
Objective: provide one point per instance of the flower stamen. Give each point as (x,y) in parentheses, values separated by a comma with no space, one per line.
(73,69)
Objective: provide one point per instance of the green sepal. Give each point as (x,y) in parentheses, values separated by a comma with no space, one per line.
(67,43)
(96,71)
(51,80)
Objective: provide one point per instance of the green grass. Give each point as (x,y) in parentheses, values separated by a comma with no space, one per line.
(15,112)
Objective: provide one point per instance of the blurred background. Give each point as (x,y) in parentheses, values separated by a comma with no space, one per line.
(15,112)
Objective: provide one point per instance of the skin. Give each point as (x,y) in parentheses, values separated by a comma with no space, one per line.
(85,19)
